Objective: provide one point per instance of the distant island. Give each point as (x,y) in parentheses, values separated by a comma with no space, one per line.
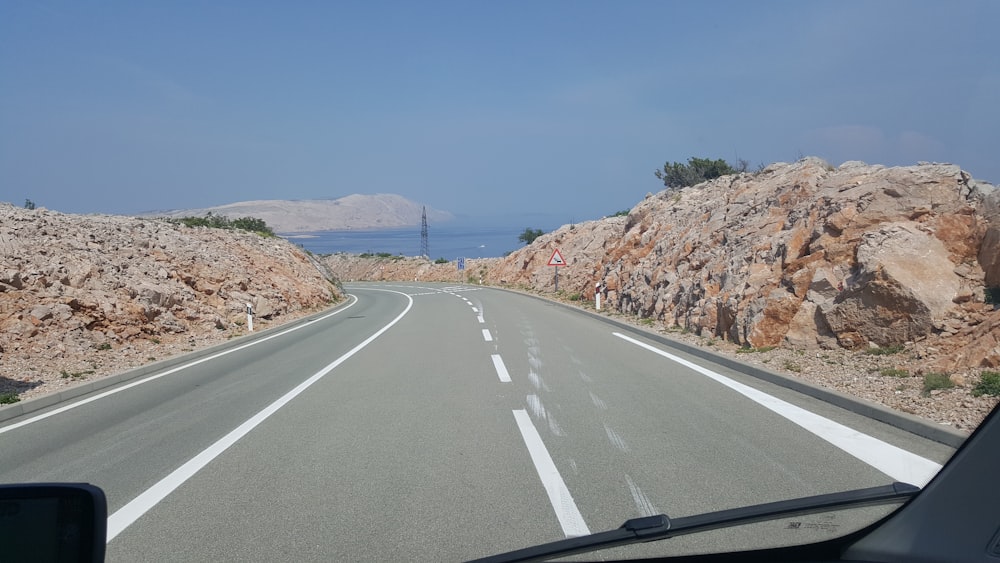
(357,211)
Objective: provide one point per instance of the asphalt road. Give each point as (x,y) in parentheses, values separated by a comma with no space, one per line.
(424,421)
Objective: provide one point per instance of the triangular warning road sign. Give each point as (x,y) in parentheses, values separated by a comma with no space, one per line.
(557,259)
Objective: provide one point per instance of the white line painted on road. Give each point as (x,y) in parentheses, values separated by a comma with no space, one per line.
(642,502)
(562,501)
(474,308)
(598,402)
(119,389)
(615,438)
(895,462)
(481,319)
(501,368)
(487,336)
(126,515)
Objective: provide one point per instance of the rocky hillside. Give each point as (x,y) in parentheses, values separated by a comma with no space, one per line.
(802,255)
(864,279)
(355,211)
(84,296)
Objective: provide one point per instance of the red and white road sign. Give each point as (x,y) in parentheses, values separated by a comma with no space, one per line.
(557,259)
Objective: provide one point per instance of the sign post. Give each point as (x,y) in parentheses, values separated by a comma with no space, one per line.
(557,260)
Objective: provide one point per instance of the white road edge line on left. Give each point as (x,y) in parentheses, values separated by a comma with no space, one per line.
(168,372)
(126,515)
(893,461)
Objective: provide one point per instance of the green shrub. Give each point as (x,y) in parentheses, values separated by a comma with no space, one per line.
(936,380)
(529,235)
(792,366)
(988,385)
(211,220)
(9,398)
(697,170)
(992,295)
(888,350)
(892,372)
(441,261)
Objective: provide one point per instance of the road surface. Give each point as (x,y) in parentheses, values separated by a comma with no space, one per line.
(425,421)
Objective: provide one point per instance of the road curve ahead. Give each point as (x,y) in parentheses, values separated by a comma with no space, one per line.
(426,421)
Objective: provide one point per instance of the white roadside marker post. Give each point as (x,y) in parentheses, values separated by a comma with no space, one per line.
(249,317)
(597,296)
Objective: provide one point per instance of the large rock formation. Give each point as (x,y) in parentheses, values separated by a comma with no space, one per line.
(802,254)
(82,295)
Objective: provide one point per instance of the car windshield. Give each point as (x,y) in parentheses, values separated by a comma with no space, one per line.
(441,280)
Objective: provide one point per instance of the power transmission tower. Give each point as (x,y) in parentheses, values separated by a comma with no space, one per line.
(425,250)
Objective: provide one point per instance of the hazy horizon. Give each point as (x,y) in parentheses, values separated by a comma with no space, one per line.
(557,107)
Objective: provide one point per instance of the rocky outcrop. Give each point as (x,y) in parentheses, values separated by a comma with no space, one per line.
(89,295)
(801,254)
(352,267)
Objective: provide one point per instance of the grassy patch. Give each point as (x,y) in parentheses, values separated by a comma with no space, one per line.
(934,381)
(750,350)
(988,385)
(76,374)
(647,321)
(9,398)
(887,351)
(792,366)
(104,346)
(893,372)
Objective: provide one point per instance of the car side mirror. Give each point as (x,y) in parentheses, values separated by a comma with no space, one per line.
(57,522)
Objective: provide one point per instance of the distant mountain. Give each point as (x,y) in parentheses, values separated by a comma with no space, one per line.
(355,211)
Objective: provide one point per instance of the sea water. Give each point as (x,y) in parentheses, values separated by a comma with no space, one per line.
(459,238)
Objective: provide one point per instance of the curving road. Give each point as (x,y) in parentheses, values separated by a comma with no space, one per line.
(424,421)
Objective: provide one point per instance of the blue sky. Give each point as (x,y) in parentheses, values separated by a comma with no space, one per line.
(479,108)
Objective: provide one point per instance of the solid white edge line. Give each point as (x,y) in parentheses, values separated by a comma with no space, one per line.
(121,388)
(895,462)
(560,498)
(501,368)
(487,336)
(126,515)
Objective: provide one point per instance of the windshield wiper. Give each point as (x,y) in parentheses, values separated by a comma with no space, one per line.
(651,528)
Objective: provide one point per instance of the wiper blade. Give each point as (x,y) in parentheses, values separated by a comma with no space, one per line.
(652,528)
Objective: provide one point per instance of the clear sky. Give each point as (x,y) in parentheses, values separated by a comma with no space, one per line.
(475,107)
